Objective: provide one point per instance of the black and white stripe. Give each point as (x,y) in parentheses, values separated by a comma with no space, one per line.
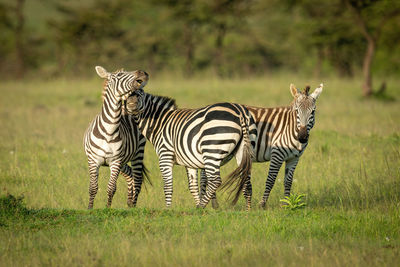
(202,138)
(282,136)
(113,139)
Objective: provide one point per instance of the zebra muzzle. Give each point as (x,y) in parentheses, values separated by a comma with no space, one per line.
(303,135)
(132,104)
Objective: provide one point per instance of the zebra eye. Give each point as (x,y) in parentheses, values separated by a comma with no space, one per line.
(139,81)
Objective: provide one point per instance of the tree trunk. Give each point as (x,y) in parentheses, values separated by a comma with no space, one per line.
(369,55)
(189,53)
(19,43)
(221,31)
(318,64)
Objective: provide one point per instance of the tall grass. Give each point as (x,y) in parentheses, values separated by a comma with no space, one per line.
(349,173)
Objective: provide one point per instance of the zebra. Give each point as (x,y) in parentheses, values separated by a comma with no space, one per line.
(112,139)
(203,138)
(282,137)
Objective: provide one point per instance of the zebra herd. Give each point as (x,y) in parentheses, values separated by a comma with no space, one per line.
(200,139)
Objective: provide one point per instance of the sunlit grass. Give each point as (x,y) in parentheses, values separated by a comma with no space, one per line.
(349,172)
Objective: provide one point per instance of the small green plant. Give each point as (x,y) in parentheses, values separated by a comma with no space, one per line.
(293,202)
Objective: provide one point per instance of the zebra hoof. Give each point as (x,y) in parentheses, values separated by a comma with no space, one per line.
(202,205)
(262,204)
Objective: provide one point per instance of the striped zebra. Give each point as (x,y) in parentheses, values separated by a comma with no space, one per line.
(112,139)
(203,138)
(282,137)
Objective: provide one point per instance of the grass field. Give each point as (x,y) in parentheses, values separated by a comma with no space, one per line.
(350,174)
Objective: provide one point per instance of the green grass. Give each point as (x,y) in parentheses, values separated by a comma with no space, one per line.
(349,173)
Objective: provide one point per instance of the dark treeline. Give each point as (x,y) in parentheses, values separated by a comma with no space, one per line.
(224,37)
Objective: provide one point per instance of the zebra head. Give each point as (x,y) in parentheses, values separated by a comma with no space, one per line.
(122,83)
(304,105)
(134,104)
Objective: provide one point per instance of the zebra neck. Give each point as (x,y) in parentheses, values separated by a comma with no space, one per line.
(154,115)
(111,114)
(300,146)
(293,121)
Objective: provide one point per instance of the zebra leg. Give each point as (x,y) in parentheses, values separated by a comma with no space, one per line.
(137,166)
(166,164)
(213,182)
(275,165)
(193,186)
(203,187)
(93,185)
(138,169)
(115,168)
(126,171)
(290,166)
(138,177)
(203,183)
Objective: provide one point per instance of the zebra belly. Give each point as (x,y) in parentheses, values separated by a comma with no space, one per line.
(196,157)
(263,155)
(112,152)
(286,153)
(198,163)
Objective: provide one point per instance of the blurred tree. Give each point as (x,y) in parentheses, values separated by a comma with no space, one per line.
(327,29)
(19,38)
(89,33)
(224,16)
(6,33)
(17,56)
(371,17)
(116,33)
(12,23)
(228,37)
(187,12)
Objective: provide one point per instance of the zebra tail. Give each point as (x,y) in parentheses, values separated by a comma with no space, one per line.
(145,175)
(242,172)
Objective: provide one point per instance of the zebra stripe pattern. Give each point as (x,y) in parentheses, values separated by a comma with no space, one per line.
(282,137)
(203,138)
(113,139)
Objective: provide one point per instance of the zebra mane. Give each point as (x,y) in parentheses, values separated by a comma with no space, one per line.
(171,101)
(103,93)
(306,90)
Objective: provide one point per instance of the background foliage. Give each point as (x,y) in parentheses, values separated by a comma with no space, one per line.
(223,37)
(199,52)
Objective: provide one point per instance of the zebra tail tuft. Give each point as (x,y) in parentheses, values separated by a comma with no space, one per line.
(242,172)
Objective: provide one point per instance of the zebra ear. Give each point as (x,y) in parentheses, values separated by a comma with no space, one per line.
(317,92)
(293,90)
(102,72)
